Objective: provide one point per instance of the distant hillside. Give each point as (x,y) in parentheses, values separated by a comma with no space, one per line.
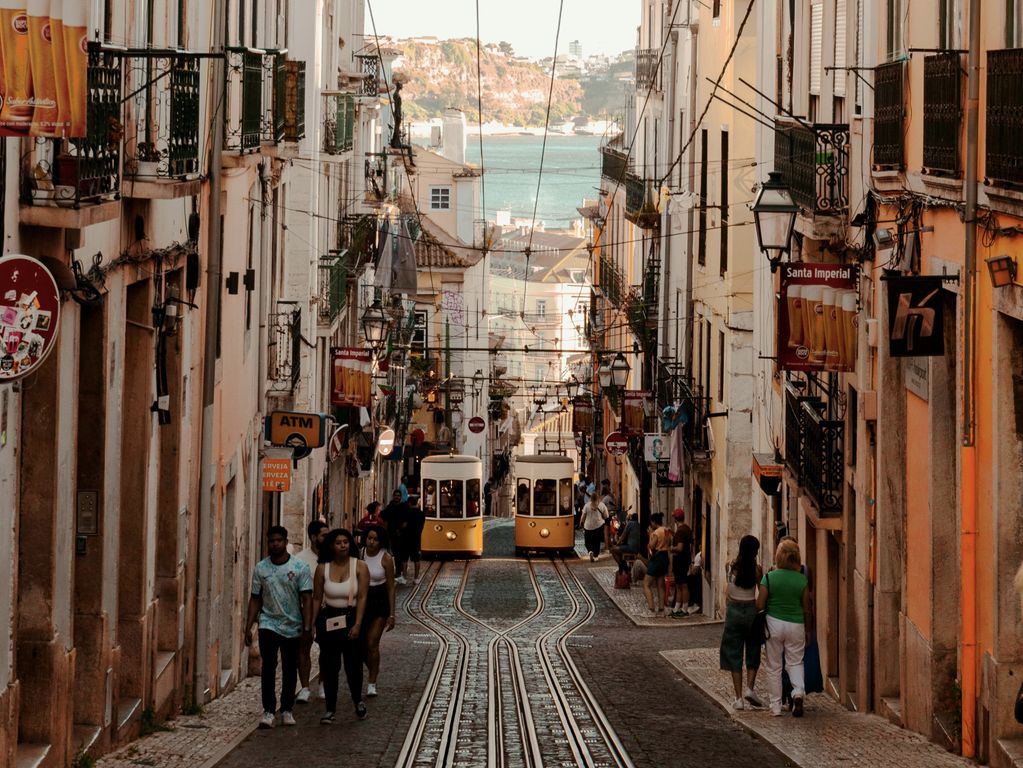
(443,74)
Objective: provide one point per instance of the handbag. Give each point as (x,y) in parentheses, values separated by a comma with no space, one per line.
(813,680)
(759,632)
(623,580)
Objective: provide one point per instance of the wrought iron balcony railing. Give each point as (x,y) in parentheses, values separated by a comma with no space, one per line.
(285,347)
(356,234)
(338,122)
(612,284)
(370,67)
(814,450)
(294,99)
(889,115)
(1004,150)
(614,164)
(943,113)
(333,286)
(648,74)
(814,161)
(165,104)
(256,99)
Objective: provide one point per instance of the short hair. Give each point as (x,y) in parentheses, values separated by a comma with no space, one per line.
(371,506)
(277,530)
(381,533)
(657,518)
(787,556)
(397,492)
(315,526)
(326,553)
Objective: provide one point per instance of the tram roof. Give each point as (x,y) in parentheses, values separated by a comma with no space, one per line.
(456,459)
(534,458)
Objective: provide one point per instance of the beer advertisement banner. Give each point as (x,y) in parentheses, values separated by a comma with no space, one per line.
(43,66)
(915,317)
(817,317)
(351,380)
(582,416)
(636,407)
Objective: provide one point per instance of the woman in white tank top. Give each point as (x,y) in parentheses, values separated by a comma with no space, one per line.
(379,599)
(340,586)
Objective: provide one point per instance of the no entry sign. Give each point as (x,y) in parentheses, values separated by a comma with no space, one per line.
(29,315)
(616,444)
(476,424)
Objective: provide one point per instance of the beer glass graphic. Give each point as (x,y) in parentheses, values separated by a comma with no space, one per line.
(17,105)
(794,300)
(59,64)
(76,51)
(849,323)
(829,312)
(813,322)
(40,52)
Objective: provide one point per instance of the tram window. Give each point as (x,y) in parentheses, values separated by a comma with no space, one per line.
(522,498)
(451,498)
(565,496)
(430,498)
(545,498)
(472,496)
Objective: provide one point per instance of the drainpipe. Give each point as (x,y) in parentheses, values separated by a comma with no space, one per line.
(207,470)
(687,339)
(968,486)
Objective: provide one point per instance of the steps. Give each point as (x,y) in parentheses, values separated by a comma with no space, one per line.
(34,756)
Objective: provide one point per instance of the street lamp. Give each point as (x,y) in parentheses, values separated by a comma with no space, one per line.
(620,371)
(375,325)
(604,375)
(572,387)
(774,214)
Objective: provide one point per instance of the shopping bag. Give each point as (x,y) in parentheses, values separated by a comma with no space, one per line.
(623,580)
(812,676)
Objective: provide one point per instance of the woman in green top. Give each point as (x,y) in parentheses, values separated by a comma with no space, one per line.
(785,595)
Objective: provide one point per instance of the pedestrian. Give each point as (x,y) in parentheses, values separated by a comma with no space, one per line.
(785,595)
(487,499)
(580,496)
(280,600)
(395,516)
(743,574)
(592,520)
(414,536)
(340,588)
(314,532)
(403,488)
(628,542)
(657,565)
(372,517)
(379,600)
(681,561)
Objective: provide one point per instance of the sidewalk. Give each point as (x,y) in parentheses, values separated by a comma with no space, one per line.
(632,602)
(829,736)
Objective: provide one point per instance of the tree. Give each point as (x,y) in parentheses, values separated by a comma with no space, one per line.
(505,48)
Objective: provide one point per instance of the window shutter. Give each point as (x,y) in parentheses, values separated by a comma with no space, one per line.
(816,43)
(858,58)
(841,61)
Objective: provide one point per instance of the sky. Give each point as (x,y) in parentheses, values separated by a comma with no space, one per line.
(602,26)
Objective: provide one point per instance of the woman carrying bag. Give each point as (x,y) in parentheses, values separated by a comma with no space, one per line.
(785,596)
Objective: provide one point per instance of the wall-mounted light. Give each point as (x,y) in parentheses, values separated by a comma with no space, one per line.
(883,238)
(1002,270)
(774,216)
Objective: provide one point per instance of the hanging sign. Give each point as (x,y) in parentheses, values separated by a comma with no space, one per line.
(582,415)
(336,444)
(916,323)
(276,475)
(29,315)
(818,317)
(351,379)
(616,444)
(655,448)
(295,429)
(663,478)
(637,403)
(477,424)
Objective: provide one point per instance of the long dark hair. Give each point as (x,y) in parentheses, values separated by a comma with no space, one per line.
(326,553)
(745,565)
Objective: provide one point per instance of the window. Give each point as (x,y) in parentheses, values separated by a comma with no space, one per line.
(472,497)
(545,498)
(452,499)
(522,498)
(716,9)
(418,343)
(816,46)
(723,239)
(893,26)
(541,308)
(701,252)
(858,56)
(565,496)
(840,49)
(682,135)
(706,358)
(440,198)
(430,498)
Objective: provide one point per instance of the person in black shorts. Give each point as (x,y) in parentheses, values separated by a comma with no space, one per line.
(413,538)
(681,560)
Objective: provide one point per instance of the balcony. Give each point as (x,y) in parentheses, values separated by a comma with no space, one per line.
(356,235)
(1004,150)
(889,116)
(369,66)
(814,450)
(333,287)
(611,282)
(639,205)
(814,161)
(943,114)
(293,91)
(614,164)
(338,122)
(73,183)
(256,99)
(648,73)
(284,340)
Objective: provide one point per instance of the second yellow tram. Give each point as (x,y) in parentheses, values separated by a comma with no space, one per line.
(450,494)
(544,496)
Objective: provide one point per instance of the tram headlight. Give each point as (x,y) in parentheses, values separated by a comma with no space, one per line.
(452,536)
(544,533)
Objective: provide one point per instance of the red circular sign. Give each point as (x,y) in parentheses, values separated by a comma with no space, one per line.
(617,444)
(29,315)
(476,424)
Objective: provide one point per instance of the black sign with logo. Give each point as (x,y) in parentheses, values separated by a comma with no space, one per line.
(662,477)
(915,317)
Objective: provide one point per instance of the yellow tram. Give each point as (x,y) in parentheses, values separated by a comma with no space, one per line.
(450,493)
(544,518)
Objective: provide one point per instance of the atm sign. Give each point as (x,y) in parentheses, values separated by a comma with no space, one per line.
(296,430)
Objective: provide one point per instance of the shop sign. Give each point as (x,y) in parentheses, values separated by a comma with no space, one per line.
(351,377)
(663,481)
(616,444)
(818,317)
(29,315)
(655,448)
(582,415)
(916,323)
(276,475)
(295,429)
(637,408)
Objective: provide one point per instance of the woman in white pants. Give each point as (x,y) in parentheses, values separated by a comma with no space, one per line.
(785,595)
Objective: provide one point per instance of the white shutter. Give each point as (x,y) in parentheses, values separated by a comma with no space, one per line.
(816,44)
(858,56)
(841,75)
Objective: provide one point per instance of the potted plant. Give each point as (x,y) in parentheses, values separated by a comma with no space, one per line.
(147,159)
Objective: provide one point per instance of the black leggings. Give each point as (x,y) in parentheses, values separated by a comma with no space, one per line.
(336,646)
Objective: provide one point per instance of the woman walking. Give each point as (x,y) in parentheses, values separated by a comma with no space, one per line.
(379,600)
(785,596)
(593,519)
(657,565)
(340,587)
(741,598)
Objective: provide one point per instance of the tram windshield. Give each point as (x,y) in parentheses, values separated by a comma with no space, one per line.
(472,495)
(545,498)
(430,498)
(522,497)
(452,498)
(565,495)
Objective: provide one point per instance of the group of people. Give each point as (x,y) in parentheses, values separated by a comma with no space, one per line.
(783,595)
(339,592)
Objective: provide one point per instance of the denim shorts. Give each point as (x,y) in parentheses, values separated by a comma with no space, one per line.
(735,639)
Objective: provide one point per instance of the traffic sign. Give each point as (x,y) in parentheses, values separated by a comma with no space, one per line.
(385,445)
(335,446)
(276,475)
(477,424)
(616,444)
(296,430)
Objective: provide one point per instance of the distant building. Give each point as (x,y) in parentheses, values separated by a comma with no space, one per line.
(575,48)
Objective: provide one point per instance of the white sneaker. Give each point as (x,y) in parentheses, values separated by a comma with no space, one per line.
(287,718)
(267,720)
(752,698)
(776,711)
(694,609)
(303,696)
(371,689)
(738,705)
(400,580)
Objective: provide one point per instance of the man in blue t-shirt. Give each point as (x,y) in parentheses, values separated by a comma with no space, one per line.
(281,598)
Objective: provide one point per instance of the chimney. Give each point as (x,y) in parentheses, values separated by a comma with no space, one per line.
(453,142)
